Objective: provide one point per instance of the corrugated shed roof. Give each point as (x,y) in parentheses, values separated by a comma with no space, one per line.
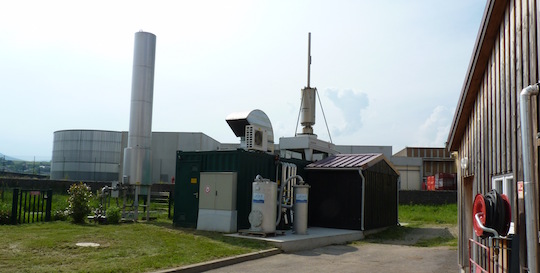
(350,161)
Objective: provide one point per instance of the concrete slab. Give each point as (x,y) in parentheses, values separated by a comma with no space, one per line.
(316,237)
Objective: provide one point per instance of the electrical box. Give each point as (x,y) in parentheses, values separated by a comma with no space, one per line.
(217,202)
(217,190)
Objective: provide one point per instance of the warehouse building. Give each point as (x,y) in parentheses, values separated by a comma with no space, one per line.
(97,155)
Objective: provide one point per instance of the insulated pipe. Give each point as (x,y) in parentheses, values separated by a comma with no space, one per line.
(300,182)
(363,198)
(528,186)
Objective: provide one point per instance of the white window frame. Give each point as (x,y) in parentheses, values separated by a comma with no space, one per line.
(505,184)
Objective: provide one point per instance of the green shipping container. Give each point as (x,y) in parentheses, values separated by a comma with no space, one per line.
(246,164)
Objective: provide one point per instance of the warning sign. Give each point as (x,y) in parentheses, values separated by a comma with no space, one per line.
(520,189)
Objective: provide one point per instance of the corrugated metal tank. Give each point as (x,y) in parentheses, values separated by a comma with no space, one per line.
(246,164)
(87,155)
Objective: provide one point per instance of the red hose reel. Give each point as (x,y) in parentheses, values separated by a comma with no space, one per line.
(491,212)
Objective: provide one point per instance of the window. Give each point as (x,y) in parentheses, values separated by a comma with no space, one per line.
(504,184)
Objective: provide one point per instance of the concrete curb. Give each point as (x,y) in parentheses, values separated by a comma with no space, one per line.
(201,267)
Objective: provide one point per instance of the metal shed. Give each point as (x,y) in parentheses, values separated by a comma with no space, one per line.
(247,165)
(353,191)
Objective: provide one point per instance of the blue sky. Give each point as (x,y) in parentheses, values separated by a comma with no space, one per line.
(387,72)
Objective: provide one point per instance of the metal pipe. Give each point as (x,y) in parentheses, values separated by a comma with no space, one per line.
(363,198)
(531,212)
(301,182)
(484,228)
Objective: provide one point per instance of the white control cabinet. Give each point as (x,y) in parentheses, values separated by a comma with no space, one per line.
(217,202)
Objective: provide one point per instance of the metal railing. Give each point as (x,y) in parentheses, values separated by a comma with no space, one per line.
(495,257)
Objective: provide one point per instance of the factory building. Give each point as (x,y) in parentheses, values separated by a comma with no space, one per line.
(97,155)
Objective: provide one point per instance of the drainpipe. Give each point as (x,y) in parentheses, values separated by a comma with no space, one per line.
(528,186)
(363,199)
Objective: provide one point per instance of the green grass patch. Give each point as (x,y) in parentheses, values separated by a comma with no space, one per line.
(390,234)
(425,227)
(428,214)
(136,247)
(437,241)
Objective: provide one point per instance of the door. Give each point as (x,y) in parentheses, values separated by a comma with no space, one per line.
(188,179)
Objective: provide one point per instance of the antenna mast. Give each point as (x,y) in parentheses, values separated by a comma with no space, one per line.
(309,59)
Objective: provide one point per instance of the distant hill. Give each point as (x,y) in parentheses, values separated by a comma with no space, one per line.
(9,157)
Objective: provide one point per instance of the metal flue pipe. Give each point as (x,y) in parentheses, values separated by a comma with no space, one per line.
(137,164)
(137,169)
(531,212)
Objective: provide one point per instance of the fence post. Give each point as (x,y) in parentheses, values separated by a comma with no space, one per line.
(14,206)
(49,205)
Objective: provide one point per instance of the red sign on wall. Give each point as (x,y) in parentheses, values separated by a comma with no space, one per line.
(520,189)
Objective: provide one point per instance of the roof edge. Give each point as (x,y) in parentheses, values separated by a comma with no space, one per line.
(489,27)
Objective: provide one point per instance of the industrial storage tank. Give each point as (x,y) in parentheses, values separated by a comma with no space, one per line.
(263,206)
(87,155)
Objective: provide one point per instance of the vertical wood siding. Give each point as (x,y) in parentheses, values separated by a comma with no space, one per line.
(492,138)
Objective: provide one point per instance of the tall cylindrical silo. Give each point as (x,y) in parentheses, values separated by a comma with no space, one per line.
(137,155)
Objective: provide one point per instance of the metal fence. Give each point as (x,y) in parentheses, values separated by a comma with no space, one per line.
(492,255)
(31,206)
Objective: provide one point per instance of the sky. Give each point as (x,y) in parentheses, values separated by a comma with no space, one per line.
(388,73)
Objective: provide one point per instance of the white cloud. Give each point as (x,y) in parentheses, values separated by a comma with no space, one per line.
(350,106)
(67,65)
(434,131)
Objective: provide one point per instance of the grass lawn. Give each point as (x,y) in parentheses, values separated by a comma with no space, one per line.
(422,226)
(135,247)
(424,214)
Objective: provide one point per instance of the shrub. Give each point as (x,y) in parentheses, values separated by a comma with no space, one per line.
(113,215)
(79,202)
(60,215)
(5,213)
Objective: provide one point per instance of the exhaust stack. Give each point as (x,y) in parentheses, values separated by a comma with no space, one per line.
(137,156)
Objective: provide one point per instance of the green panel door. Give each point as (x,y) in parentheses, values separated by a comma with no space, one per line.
(188,203)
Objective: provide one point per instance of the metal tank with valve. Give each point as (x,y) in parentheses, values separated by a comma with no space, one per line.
(263,206)
(264,215)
